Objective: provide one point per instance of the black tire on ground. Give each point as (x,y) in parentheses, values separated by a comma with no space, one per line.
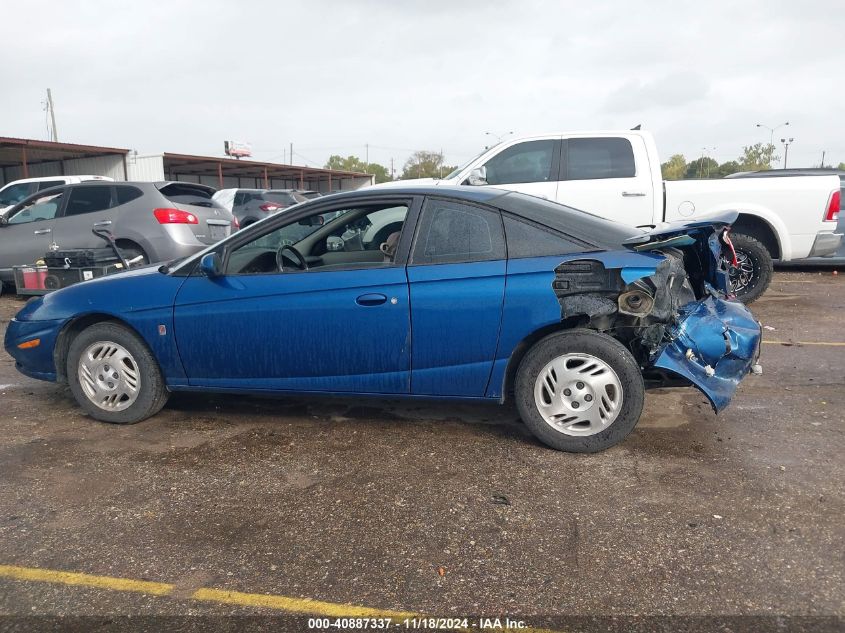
(761,262)
(152,393)
(601,346)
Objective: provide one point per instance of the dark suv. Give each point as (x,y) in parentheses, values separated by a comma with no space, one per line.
(251,205)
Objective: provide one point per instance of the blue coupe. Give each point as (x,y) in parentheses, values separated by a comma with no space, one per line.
(429,292)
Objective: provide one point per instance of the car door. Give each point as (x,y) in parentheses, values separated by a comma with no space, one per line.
(343,325)
(529,166)
(608,176)
(457,281)
(29,232)
(86,205)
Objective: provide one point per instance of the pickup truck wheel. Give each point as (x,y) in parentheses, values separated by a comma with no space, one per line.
(753,272)
(579,391)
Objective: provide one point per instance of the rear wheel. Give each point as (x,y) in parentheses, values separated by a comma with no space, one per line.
(579,391)
(114,376)
(753,271)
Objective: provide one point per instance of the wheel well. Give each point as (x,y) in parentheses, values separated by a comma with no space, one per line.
(247,221)
(528,342)
(759,229)
(70,331)
(122,243)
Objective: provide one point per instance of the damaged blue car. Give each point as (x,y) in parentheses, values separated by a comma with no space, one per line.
(422,292)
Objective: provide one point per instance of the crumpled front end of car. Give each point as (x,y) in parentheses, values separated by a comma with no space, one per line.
(668,301)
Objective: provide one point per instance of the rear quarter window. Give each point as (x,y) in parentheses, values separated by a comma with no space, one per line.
(526,239)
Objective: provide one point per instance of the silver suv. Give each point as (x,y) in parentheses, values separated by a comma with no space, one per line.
(154,221)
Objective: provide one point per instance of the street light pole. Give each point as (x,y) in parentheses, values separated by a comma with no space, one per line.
(772,130)
(498,137)
(786,144)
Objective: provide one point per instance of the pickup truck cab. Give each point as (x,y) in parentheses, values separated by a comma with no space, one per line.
(616,174)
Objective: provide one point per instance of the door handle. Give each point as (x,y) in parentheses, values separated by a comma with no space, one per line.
(371,299)
(633,194)
(42,231)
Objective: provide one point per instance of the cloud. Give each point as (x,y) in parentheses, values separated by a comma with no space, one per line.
(670,91)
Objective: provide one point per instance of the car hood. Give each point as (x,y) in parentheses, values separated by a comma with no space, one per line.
(133,291)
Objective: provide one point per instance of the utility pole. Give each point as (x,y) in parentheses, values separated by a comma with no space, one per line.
(54,135)
(392,173)
(786,144)
(291,154)
(441,163)
(823,153)
(367,158)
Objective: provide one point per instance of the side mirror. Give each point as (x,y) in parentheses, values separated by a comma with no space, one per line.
(211,265)
(334,243)
(478,176)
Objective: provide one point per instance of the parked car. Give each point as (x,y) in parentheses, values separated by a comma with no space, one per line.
(617,175)
(251,205)
(834,259)
(17,190)
(308,193)
(155,221)
(429,292)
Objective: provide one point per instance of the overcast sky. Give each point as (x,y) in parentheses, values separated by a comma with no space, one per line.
(331,77)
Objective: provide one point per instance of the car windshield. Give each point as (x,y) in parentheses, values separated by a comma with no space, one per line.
(465,164)
(14,193)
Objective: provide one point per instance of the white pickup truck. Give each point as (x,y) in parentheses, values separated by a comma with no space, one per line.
(616,174)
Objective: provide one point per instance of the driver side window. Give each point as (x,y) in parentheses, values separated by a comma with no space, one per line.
(42,208)
(354,237)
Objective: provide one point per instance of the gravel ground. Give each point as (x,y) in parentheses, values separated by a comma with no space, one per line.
(448,509)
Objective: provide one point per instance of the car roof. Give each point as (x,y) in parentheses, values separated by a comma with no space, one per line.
(472,194)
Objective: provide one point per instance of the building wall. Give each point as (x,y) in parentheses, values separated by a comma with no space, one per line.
(148,168)
(110,165)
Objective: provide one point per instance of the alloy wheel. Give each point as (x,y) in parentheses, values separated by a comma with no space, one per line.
(109,376)
(578,394)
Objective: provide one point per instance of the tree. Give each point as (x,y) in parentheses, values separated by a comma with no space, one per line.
(704,167)
(728,168)
(841,166)
(353,163)
(757,157)
(674,168)
(424,164)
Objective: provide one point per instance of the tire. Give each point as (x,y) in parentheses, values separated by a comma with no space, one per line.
(124,406)
(604,382)
(755,261)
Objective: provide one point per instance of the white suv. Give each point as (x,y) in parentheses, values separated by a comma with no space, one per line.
(17,190)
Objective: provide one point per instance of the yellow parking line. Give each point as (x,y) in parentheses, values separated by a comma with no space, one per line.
(296,605)
(266,601)
(269,601)
(85,580)
(833,344)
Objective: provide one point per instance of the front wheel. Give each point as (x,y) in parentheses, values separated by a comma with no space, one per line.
(579,391)
(114,376)
(753,271)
